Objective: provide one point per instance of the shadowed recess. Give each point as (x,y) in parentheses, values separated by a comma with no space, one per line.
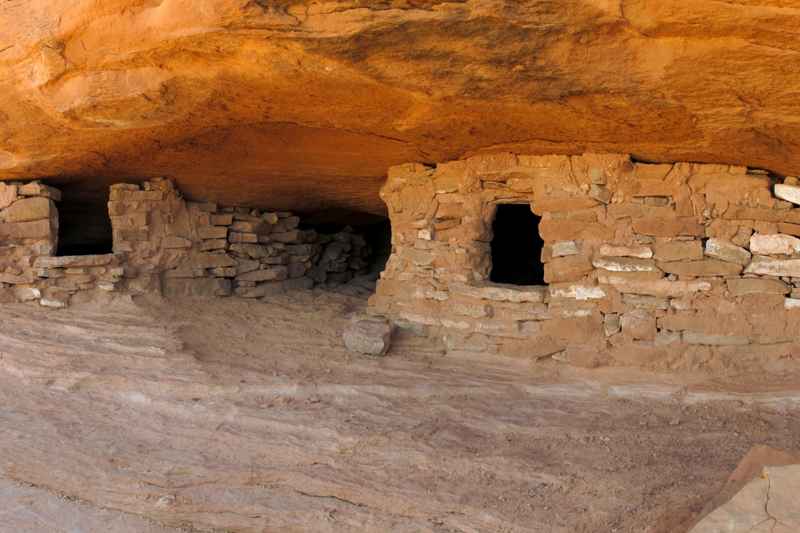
(516,246)
(84,225)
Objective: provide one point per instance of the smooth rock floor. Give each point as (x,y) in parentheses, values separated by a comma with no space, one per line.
(252,416)
(31,510)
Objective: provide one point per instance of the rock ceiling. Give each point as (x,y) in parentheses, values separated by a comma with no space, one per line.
(304,104)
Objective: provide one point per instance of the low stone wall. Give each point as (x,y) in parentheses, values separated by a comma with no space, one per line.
(678,265)
(200,249)
(28,239)
(163,243)
(58,278)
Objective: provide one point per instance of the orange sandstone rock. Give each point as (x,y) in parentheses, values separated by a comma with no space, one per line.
(305,104)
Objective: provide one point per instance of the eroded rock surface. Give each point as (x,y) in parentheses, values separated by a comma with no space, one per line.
(238,415)
(307,104)
(761,495)
(34,510)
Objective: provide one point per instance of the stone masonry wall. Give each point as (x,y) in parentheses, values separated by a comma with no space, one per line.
(163,243)
(28,241)
(683,265)
(200,249)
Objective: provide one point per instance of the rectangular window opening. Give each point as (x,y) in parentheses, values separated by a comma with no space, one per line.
(84,227)
(516,246)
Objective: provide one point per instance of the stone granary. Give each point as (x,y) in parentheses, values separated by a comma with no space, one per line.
(596,259)
(156,241)
(591,259)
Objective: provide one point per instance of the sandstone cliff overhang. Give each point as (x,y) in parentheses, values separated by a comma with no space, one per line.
(304,105)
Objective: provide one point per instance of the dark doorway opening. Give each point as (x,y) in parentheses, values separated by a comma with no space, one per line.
(516,246)
(84,227)
(379,239)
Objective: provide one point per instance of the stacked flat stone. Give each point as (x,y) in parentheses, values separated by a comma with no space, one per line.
(61,277)
(28,231)
(202,250)
(674,264)
(271,253)
(154,230)
(344,255)
(163,243)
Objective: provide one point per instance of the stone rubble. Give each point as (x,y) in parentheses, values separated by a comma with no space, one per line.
(342,257)
(369,335)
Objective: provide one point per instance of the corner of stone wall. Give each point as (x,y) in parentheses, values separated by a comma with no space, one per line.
(28,232)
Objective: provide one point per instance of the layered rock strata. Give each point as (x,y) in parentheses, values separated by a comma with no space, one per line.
(674,264)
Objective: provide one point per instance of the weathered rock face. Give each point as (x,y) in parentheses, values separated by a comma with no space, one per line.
(760,495)
(304,105)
